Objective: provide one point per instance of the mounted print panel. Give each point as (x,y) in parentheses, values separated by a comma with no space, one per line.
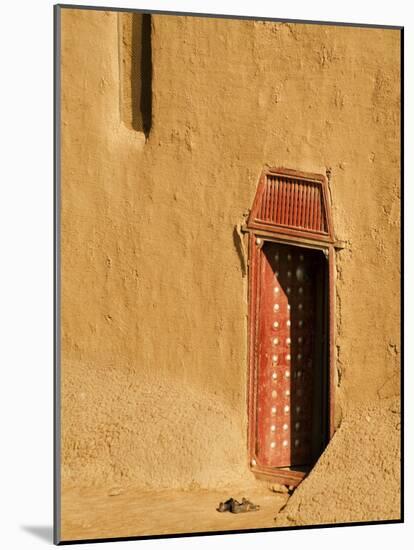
(227,211)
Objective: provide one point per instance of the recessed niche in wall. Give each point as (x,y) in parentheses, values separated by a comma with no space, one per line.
(136,70)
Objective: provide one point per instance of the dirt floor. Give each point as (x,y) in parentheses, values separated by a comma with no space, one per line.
(93,514)
(365,450)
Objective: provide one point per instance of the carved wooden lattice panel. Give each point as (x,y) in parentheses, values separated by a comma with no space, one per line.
(292,203)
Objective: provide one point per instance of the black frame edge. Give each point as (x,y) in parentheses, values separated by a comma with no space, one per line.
(230,16)
(56,273)
(233,532)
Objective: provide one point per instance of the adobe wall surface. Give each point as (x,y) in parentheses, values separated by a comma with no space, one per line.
(154,286)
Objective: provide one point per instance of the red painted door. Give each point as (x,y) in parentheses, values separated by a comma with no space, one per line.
(290,415)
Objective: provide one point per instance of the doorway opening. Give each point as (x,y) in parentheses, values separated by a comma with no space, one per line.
(290,325)
(290,416)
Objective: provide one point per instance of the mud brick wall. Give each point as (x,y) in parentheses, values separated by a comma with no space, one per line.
(154,286)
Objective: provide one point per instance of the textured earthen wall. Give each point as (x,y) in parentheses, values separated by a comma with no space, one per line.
(154,343)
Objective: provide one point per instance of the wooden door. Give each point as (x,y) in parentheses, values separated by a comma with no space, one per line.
(291,377)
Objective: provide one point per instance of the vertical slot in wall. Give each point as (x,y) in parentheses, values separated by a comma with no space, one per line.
(135,71)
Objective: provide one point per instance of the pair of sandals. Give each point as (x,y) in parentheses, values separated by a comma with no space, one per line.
(235,507)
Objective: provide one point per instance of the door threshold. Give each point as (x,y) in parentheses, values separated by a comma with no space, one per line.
(292,476)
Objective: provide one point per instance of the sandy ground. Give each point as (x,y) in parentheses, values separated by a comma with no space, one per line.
(94,514)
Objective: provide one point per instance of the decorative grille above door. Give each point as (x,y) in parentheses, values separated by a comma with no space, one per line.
(293,203)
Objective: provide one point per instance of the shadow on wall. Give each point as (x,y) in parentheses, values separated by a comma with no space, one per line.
(141,73)
(241,253)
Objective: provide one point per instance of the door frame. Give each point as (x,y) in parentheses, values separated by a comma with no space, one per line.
(257,238)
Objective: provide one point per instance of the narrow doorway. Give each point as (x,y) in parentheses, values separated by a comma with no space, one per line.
(291,324)
(292,356)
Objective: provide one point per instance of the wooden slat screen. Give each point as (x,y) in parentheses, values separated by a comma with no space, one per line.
(292,203)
